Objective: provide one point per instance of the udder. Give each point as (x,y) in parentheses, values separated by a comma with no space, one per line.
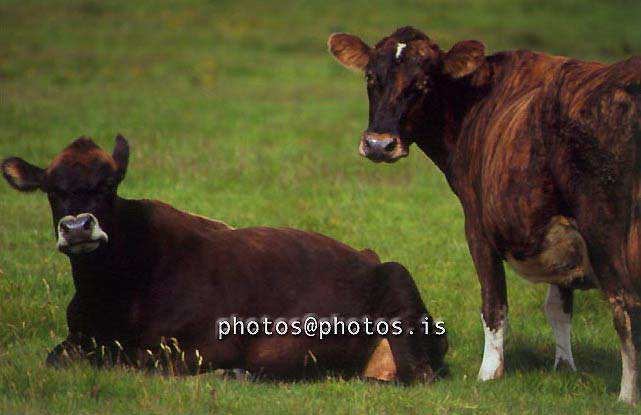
(563,258)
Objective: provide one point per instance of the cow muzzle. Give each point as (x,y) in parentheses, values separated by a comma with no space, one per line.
(80,234)
(382,147)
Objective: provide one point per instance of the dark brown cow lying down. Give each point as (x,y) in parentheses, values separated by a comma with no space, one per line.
(544,153)
(145,273)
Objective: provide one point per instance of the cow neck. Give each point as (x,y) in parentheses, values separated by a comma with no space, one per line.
(456,100)
(124,261)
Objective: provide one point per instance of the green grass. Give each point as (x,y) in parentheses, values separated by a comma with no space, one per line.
(234,110)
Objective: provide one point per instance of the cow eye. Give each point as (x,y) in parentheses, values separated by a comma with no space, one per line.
(422,85)
(369,77)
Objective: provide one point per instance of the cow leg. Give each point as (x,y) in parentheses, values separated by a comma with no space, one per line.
(65,353)
(489,268)
(614,265)
(626,323)
(620,284)
(494,328)
(73,348)
(620,289)
(558,307)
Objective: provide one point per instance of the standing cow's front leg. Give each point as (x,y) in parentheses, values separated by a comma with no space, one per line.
(489,268)
(558,307)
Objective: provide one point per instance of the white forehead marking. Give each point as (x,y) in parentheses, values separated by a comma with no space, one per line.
(399,49)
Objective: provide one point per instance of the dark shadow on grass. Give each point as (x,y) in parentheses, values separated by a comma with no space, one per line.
(522,356)
(319,377)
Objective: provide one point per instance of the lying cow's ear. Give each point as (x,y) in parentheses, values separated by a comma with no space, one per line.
(464,58)
(121,156)
(21,175)
(349,50)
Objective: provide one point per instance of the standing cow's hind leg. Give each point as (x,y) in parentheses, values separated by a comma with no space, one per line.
(627,321)
(558,308)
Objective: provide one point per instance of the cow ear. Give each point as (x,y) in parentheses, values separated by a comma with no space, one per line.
(121,156)
(21,175)
(464,58)
(349,50)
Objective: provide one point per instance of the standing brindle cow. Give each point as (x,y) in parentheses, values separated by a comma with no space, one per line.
(144,271)
(544,153)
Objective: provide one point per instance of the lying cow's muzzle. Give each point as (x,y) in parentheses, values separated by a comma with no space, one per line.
(382,147)
(80,234)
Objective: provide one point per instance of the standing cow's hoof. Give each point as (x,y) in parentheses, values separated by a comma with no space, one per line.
(629,392)
(629,397)
(564,365)
(493,363)
(490,372)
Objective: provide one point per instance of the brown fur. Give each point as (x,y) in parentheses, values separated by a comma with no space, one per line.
(83,152)
(563,259)
(523,138)
(166,274)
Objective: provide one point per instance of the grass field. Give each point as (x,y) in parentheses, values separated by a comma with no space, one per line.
(234,110)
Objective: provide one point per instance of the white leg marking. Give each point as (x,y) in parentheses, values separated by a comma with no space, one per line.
(629,378)
(492,366)
(561,323)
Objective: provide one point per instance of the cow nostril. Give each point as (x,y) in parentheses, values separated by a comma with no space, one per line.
(64,228)
(88,223)
(368,142)
(391,146)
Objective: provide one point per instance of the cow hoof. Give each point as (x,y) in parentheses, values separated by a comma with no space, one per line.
(486,374)
(58,358)
(235,374)
(629,398)
(564,365)
(64,354)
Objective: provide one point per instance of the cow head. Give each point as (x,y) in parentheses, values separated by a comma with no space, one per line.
(404,73)
(81,184)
